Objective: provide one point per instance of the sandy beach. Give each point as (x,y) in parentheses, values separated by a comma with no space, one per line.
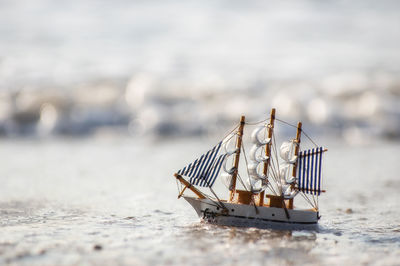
(113,201)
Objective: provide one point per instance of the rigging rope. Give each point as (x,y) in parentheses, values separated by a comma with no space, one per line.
(307,199)
(230,132)
(237,170)
(219,201)
(269,169)
(277,163)
(273,171)
(305,134)
(177,185)
(241,181)
(256,123)
(247,164)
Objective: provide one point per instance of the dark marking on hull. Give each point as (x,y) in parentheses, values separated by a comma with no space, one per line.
(211,218)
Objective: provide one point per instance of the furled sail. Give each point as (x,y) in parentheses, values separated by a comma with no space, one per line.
(257,181)
(256,156)
(309,171)
(256,139)
(226,176)
(286,152)
(289,192)
(286,180)
(228,153)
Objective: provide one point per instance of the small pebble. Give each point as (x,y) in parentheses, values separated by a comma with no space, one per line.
(97,247)
(349,211)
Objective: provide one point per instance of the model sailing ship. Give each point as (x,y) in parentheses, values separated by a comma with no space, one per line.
(273,182)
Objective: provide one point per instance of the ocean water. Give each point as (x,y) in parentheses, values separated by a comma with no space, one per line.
(50,43)
(109,200)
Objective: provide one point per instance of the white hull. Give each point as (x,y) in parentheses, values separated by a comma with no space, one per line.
(250,215)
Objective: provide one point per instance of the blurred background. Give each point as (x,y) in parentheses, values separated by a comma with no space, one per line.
(171,68)
(102,101)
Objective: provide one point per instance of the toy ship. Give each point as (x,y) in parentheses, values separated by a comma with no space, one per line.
(272,182)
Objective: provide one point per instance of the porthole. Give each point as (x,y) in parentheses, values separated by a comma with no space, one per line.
(273,214)
(217,208)
(233,210)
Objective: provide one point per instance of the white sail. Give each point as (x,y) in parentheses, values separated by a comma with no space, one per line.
(287,150)
(285,173)
(227,145)
(226,170)
(226,179)
(283,170)
(256,139)
(229,152)
(290,193)
(256,154)
(256,186)
(290,180)
(254,173)
(257,180)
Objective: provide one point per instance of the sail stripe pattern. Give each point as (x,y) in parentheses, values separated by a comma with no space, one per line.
(204,170)
(211,157)
(312,166)
(319,172)
(309,171)
(212,176)
(299,167)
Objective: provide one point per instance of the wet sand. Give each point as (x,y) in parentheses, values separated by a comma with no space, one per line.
(113,201)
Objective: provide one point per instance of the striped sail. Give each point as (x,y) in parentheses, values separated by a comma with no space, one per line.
(204,170)
(309,171)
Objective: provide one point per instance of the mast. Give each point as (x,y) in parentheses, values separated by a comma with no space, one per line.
(296,153)
(232,186)
(268,151)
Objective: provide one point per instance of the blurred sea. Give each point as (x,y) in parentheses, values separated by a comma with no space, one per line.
(102,101)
